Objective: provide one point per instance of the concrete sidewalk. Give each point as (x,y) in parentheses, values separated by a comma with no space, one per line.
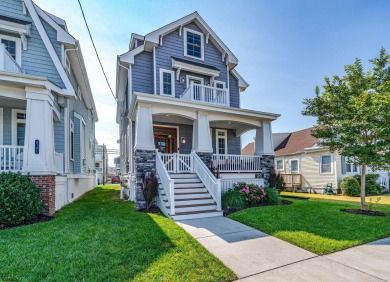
(255,256)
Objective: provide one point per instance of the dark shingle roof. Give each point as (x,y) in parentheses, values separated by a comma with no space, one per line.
(195,63)
(296,142)
(14,20)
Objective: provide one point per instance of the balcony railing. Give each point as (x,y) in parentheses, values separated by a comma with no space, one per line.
(11,158)
(236,163)
(7,63)
(206,94)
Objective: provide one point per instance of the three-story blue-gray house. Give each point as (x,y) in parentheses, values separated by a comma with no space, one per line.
(47,112)
(179,112)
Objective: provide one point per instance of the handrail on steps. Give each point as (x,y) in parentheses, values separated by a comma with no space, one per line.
(166,180)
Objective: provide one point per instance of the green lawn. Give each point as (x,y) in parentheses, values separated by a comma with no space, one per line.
(317,225)
(100,238)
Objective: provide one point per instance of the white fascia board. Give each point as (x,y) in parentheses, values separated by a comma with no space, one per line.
(155,35)
(135,36)
(57,20)
(242,84)
(193,68)
(45,38)
(16,28)
(62,35)
(169,101)
(121,80)
(128,57)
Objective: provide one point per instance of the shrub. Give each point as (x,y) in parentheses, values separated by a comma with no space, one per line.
(253,194)
(350,186)
(272,196)
(150,188)
(232,199)
(372,187)
(276,181)
(19,199)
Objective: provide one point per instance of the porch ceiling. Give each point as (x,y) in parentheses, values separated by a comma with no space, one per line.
(13,103)
(172,118)
(239,127)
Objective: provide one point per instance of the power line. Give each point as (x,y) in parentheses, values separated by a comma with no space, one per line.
(97,55)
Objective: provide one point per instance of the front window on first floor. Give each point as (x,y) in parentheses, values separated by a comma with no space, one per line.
(167,82)
(326,164)
(71,125)
(351,168)
(294,166)
(221,141)
(279,165)
(18,127)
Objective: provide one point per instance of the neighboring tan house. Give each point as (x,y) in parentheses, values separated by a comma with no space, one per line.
(47,112)
(179,113)
(303,163)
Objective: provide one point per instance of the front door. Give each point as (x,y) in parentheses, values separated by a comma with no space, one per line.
(165,139)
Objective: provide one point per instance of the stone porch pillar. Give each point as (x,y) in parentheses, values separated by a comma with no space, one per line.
(144,150)
(264,148)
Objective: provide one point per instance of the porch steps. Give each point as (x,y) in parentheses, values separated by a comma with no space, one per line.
(192,200)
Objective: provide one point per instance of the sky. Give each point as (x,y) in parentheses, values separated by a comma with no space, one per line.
(285,47)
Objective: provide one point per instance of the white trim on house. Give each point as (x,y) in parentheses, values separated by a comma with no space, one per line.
(331,164)
(154,72)
(290,166)
(242,84)
(276,165)
(221,137)
(71,137)
(220,82)
(80,117)
(188,30)
(1,126)
(188,77)
(15,121)
(352,166)
(18,47)
(177,131)
(181,66)
(172,73)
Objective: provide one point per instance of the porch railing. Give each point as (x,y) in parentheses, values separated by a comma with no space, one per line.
(7,63)
(212,184)
(11,158)
(236,163)
(227,184)
(59,161)
(207,94)
(177,163)
(167,183)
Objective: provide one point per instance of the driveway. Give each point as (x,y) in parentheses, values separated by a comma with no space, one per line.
(255,256)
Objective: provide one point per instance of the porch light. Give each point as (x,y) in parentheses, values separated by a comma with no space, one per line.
(183,140)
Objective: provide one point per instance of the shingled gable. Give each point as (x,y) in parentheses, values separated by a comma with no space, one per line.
(296,142)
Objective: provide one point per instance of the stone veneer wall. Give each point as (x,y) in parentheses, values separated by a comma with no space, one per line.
(47,188)
(207,158)
(267,165)
(144,161)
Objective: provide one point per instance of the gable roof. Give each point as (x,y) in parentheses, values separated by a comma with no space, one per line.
(249,149)
(296,142)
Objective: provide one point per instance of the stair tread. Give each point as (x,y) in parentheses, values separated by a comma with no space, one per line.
(195,212)
(191,199)
(194,205)
(187,193)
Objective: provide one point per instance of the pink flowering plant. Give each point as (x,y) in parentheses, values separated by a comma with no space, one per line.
(252,194)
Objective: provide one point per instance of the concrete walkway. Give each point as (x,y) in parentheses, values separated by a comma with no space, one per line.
(255,256)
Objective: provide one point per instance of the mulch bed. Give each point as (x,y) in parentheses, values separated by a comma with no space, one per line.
(226,212)
(151,210)
(364,212)
(38,219)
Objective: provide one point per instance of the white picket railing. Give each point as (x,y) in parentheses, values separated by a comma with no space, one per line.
(212,184)
(59,161)
(236,163)
(177,163)
(7,63)
(207,94)
(11,158)
(227,184)
(167,183)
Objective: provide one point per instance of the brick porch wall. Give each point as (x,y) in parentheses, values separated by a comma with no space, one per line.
(46,185)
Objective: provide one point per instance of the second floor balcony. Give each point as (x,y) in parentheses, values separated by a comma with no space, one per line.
(7,63)
(206,94)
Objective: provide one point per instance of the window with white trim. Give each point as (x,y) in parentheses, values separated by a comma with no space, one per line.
(221,141)
(219,84)
(71,151)
(193,44)
(18,127)
(294,166)
(279,165)
(351,167)
(167,82)
(13,45)
(326,164)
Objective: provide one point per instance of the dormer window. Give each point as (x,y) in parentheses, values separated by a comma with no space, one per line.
(10,46)
(13,46)
(193,44)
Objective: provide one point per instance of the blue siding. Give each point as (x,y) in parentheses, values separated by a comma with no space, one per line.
(7,126)
(36,59)
(173,45)
(59,134)
(234,92)
(52,33)
(233,142)
(77,148)
(142,73)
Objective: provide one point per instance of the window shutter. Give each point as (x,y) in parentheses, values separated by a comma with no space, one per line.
(343,165)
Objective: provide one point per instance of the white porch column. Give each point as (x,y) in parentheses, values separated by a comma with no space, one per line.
(263,144)
(201,132)
(38,155)
(144,139)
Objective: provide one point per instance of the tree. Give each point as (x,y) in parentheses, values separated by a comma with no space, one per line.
(353,115)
